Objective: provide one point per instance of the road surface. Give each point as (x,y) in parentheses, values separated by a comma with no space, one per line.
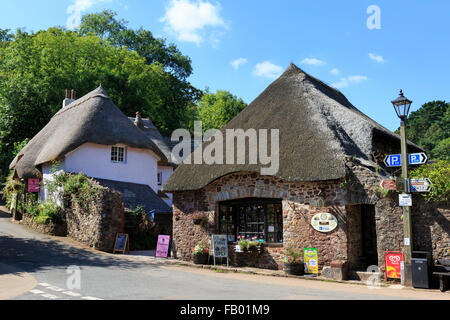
(41,263)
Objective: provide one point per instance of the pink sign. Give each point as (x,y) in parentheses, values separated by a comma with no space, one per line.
(33,185)
(162,248)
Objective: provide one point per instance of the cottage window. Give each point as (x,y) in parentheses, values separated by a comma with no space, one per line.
(159,178)
(117,154)
(259,218)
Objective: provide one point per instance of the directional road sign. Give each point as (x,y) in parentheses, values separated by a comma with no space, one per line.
(395,160)
(389,184)
(418,158)
(420,185)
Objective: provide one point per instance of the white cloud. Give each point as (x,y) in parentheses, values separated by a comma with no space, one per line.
(188,19)
(238,62)
(335,71)
(376,57)
(267,69)
(344,82)
(77,8)
(313,62)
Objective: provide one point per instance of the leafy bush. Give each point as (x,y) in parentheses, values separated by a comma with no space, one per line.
(439,173)
(48,211)
(11,187)
(65,185)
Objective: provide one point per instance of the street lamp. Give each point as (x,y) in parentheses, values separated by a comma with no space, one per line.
(402,106)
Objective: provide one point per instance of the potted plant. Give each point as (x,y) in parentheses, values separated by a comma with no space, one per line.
(255,245)
(243,243)
(293,262)
(200,253)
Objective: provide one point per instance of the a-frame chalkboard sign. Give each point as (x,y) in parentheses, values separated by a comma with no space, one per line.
(122,243)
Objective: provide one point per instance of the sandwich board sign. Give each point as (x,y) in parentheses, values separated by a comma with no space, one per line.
(311,260)
(162,248)
(393,264)
(220,246)
(122,243)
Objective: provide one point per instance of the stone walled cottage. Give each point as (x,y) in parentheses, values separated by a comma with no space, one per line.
(327,164)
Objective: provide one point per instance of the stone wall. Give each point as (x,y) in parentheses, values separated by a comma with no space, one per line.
(97,222)
(51,228)
(300,203)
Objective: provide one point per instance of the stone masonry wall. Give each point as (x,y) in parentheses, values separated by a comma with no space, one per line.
(300,203)
(96,223)
(51,228)
(431,222)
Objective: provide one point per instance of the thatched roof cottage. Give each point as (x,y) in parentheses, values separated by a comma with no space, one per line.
(91,135)
(329,168)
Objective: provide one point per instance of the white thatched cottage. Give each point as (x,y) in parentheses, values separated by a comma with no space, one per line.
(92,136)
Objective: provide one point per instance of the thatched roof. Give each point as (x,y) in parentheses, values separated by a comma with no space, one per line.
(149,129)
(318,128)
(92,118)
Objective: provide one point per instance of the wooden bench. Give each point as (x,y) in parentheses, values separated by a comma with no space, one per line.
(442,269)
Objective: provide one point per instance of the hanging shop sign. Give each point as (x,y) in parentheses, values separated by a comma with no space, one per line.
(33,185)
(311,260)
(220,246)
(393,264)
(324,222)
(162,248)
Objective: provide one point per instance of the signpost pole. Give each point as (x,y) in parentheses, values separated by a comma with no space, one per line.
(407,243)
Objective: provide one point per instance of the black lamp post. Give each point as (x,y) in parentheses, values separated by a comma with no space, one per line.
(402,106)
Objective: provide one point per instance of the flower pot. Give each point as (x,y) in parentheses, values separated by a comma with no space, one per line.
(200,258)
(297,269)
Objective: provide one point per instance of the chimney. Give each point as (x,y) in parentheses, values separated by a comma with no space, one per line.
(138,122)
(69,99)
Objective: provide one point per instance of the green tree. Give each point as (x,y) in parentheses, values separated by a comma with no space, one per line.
(429,127)
(36,68)
(180,95)
(216,109)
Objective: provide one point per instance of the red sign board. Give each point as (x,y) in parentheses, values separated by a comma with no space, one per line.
(393,262)
(162,248)
(33,185)
(389,184)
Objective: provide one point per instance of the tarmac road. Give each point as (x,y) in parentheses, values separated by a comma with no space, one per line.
(35,267)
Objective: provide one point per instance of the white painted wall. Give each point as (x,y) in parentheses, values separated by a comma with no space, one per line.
(166,173)
(48,173)
(94,160)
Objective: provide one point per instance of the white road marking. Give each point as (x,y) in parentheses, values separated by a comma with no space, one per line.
(55,289)
(72,294)
(91,298)
(44,284)
(49,296)
(35,291)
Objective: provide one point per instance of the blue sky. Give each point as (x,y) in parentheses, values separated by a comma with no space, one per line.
(241,46)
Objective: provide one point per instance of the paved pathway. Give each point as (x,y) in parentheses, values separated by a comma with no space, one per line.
(44,261)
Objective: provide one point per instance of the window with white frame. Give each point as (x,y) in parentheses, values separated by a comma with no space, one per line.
(159,178)
(117,154)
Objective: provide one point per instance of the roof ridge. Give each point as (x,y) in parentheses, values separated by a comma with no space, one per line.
(99,92)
